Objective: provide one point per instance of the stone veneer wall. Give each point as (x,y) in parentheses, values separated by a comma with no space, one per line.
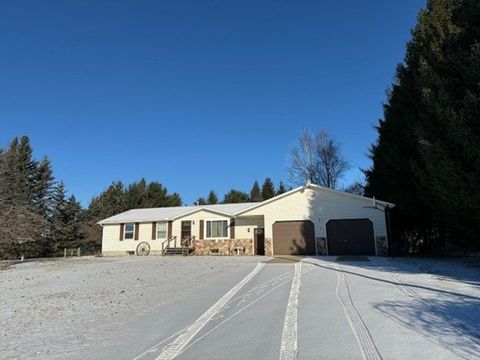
(321,245)
(223,247)
(268,247)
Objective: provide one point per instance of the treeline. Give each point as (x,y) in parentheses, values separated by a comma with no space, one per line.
(256,194)
(427,157)
(38,219)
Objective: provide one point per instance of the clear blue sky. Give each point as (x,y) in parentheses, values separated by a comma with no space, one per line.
(198,95)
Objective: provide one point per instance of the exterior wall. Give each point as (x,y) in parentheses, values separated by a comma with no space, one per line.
(224,247)
(111,245)
(244,234)
(195,218)
(320,206)
(245,226)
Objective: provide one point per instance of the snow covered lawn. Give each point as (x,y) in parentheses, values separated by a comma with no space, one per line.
(55,308)
(119,308)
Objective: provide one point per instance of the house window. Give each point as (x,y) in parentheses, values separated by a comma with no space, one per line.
(217,229)
(129,231)
(162,230)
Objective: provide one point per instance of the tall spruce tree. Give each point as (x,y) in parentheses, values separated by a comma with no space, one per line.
(268,189)
(65,219)
(281,188)
(427,158)
(255,192)
(212,198)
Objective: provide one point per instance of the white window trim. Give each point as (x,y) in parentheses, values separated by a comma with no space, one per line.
(216,238)
(166,230)
(125,231)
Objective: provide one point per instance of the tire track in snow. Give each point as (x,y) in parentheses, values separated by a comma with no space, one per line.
(360,330)
(171,350)
(289,347)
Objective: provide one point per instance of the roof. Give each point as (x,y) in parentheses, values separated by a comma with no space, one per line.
(171,213)
(317,187)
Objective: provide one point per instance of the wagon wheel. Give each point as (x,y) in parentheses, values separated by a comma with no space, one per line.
(143,249)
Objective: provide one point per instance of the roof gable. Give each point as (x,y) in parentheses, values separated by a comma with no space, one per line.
(317,188)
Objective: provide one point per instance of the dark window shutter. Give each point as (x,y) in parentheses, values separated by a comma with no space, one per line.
(169,235)
(137,229)
(232,229)
(154,230)
(121,231)
(200,236)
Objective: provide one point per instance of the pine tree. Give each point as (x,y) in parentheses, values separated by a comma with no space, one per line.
(58,216)
(42,187)
(268,189)
(281,188)
(235,196)
(426,159)
(136,194)
(65,219)
(212,198)
(256,193)
(173,200)
(23,170)
(110,202)
(201,201)
(73,212)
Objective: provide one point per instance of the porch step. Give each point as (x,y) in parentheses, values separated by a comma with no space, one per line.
(176,251)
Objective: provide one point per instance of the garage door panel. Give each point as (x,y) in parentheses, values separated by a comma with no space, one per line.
(294,238)
(350,237)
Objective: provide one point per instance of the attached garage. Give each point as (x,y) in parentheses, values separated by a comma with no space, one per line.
(294,238)
(350,237)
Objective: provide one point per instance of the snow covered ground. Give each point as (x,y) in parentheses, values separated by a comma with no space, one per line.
(120,308)
(53,309)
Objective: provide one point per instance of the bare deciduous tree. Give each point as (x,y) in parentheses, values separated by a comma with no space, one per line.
(316,158)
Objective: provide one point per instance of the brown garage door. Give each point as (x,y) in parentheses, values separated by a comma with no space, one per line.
(350,237)
(294,238)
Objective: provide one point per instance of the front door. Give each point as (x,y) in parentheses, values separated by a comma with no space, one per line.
(186,229)
(260,241)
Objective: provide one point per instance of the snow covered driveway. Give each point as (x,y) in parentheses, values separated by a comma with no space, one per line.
(240,308)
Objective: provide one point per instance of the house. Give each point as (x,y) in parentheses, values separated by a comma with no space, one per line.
(308,220)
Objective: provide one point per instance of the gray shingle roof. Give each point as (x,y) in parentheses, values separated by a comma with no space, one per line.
(169,213)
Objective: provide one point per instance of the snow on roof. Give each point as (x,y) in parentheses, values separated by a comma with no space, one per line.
(170,213)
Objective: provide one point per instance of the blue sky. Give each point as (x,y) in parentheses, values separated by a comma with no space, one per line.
(198,95)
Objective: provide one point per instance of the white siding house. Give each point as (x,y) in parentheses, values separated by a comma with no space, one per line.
(309,220)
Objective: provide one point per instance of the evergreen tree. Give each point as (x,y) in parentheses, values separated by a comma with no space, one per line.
(212,198)
(268,189)
(73,213)
(256,193)
(173,200)
(136,195)
(23,168)
(43,183)
(235,196)
(201,201)
(110,202)
(58,217)
(65,219)
(427,158)
(281,188)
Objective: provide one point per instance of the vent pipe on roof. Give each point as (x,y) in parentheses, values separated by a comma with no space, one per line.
(373,202)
